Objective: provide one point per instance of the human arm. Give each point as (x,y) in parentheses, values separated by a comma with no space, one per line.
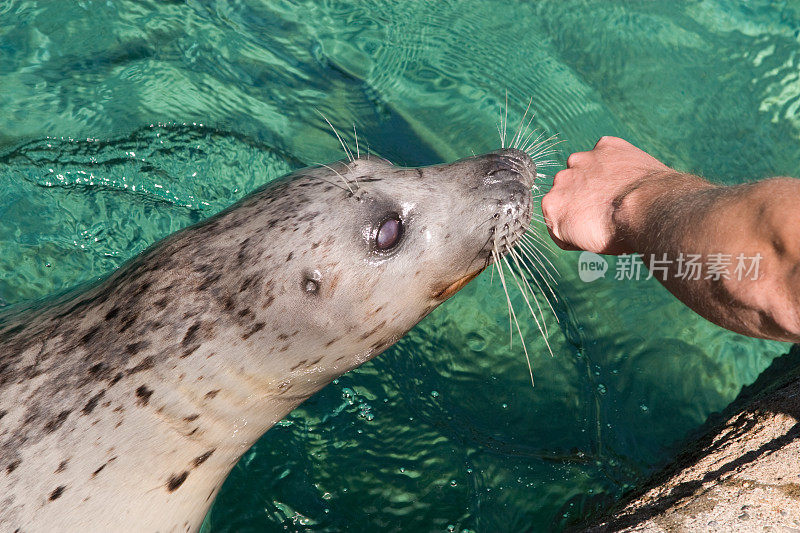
(617,199)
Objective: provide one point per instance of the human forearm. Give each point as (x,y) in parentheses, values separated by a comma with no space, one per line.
(746,238)
(617,199)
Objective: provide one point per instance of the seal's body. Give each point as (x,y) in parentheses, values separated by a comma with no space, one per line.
(124,407)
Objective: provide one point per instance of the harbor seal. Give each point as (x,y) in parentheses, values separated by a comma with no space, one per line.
(124,406)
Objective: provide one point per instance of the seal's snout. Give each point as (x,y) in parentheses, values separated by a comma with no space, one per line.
(510,176)
(515,165)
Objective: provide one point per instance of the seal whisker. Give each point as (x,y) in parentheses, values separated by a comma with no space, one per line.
(544,159)
(521,265)
(531,239)
(519,133)
(545,153)
(536,143)
(332,183)
(355,133)
(347,183)
(534,257)
(525,132)
(518,258)
(526,288)
(544,277)
(538,220)
(527,141)
(541,325)
(538,147)
(505,123)
(484,244)
(496,256)
(547,144)
(513,315)
(347,151)
(537,253)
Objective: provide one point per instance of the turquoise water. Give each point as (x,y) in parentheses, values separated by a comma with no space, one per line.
(121,122)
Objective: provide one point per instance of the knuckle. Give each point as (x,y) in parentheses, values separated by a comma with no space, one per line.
(549,208)
(575,158)
(546,202)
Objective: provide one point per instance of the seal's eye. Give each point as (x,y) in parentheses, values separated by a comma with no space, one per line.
(389,233)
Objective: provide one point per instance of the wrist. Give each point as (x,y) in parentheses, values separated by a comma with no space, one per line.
(647,200)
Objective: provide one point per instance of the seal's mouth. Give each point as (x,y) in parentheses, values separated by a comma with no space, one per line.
(508,179)
(514,212)
(456,286)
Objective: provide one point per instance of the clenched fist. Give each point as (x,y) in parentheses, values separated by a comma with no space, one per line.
(584,209)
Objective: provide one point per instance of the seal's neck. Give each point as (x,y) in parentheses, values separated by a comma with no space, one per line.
(132,401)
(133,428)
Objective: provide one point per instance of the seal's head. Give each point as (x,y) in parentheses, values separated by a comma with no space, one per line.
(187,354)
(380,246)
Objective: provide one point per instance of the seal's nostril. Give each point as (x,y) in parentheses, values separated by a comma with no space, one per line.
(517,162)
(502,174)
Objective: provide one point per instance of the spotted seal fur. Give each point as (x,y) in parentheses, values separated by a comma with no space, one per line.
(124,406)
